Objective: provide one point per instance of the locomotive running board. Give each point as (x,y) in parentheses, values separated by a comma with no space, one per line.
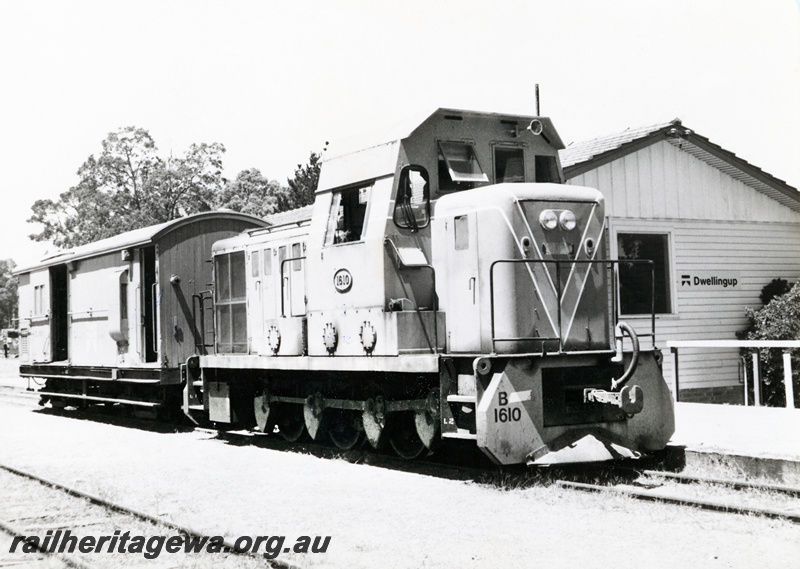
(101,399)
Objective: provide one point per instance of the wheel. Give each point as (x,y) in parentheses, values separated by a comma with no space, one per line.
(265,417)
(345,429)
(404,439)
(291,425)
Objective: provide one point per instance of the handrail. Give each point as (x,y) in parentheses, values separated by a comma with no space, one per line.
(200,343)
(91,312)
(786,345)
(558,263)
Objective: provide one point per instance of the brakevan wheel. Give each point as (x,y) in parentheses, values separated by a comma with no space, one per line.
(403,437)
(291,425)
(344,428)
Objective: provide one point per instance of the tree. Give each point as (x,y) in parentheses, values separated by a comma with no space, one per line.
(253,193)
(306,178)
(8,294)
(779,319)
(129,186)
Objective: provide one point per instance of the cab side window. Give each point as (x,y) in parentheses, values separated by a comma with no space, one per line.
(412,205)
(348,215)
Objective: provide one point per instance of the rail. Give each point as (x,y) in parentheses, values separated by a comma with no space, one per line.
(756,345)
(559,292)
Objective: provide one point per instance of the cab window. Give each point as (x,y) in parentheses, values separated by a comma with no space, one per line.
(547,169)
(509,165)
(348,215)
(412,206)
(458,167)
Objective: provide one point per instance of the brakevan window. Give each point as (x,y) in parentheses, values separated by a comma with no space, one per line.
(635,279)
(458,167)
(347,216)
(38,300)
(231,303)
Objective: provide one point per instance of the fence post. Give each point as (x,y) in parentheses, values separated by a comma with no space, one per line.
(674,352)
(787,379)
(744,373)
(756,381)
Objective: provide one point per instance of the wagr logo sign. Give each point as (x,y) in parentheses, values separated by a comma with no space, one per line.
(710,280)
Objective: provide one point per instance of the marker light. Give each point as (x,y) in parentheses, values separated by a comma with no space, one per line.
(567,220)
(548,219)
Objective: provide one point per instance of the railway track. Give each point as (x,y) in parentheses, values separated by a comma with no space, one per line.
(40,519)
(704,492)
(635,479)
(728,496)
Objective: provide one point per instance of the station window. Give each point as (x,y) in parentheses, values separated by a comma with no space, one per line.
(412,206)
(231,302)
(635,279)
(458,167)
(547,169)
(348,215)
(509,165)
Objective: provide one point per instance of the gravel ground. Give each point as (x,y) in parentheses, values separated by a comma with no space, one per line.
(378,517)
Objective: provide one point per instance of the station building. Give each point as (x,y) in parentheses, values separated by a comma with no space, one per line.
(717,228)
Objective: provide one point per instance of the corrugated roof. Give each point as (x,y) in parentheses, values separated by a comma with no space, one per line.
(133,238)
(580,157)
(580,152)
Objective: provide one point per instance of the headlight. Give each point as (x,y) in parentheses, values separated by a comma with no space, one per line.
(548,219)
(567,220)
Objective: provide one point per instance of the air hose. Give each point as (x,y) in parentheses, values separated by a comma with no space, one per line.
(624,327)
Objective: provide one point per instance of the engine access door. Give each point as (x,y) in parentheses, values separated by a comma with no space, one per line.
(463,284)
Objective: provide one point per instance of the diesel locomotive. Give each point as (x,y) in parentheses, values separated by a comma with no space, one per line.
(446,285)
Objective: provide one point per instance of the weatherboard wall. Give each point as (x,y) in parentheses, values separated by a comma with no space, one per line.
(717,226)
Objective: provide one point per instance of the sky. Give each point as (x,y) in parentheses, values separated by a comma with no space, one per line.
(273,81)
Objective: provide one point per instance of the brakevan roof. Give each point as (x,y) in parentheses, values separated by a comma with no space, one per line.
(298,215)
(134,238)
(581,157)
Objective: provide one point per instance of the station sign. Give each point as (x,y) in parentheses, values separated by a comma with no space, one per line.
(710,280)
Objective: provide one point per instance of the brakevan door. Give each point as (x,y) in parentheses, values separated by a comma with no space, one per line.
(463,316)
(59,316)
(149,315)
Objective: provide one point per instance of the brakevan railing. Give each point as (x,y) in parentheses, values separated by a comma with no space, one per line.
(786,345)
(558,262)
